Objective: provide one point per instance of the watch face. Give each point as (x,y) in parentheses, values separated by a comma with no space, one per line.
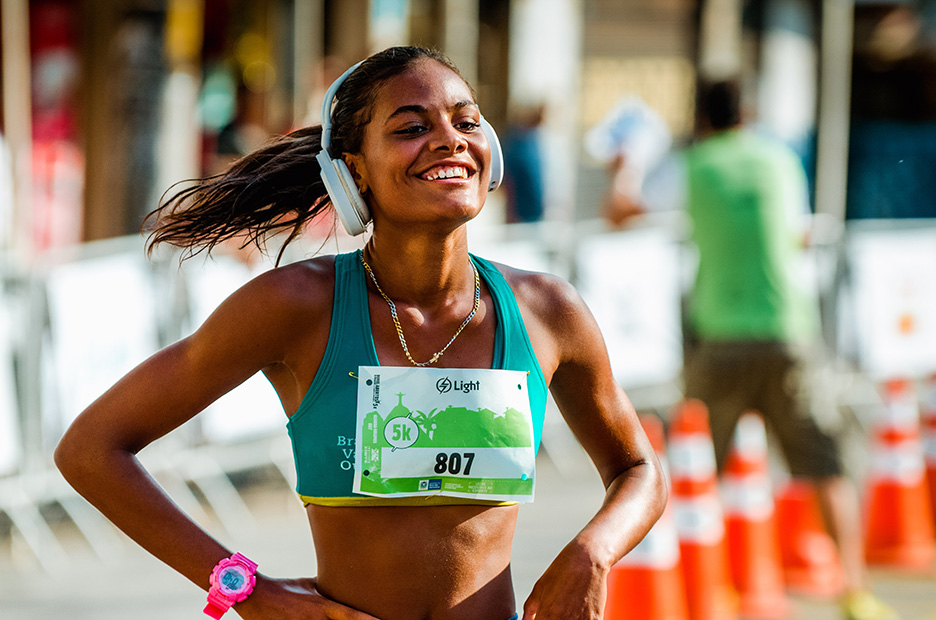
(232,579)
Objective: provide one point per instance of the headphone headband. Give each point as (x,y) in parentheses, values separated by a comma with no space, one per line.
(327,102)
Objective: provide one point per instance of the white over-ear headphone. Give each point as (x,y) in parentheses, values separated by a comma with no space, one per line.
(343,191)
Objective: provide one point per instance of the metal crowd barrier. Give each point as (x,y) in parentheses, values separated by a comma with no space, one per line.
(81,319)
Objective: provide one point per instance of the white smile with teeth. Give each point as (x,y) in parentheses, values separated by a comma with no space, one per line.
(449,172)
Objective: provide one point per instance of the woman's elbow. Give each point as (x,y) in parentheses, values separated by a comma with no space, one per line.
(68,457)
(79,458)
(658,488)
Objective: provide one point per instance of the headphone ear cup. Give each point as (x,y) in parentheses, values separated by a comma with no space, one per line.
(497,156)
(359,208)
(343,193)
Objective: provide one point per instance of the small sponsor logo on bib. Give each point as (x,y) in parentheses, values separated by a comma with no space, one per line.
(445,385)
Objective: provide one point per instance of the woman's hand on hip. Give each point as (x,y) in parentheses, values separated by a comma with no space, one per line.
(572,588)
(293,599)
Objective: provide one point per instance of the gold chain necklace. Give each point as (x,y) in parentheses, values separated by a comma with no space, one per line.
(396,320)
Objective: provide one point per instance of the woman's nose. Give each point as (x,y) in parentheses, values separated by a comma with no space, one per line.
(446,137)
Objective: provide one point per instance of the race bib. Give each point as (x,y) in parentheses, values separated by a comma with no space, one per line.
(444,431)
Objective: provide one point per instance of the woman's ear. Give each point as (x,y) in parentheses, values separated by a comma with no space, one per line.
(356,166)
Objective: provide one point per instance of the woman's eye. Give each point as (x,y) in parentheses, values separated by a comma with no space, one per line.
(411,130)
(468,126)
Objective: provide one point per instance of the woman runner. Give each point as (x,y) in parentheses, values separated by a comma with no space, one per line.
(413,305)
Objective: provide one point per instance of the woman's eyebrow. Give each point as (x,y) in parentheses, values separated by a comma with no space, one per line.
(420,109)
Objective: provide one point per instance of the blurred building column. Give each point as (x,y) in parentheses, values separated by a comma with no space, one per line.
(179,136)
(545,68)
(388,24)
(309,52)
(17,120)
(17,127)
(834,107)
(460,36)
(719,53)
(124,57)
(348,30)
(787,88)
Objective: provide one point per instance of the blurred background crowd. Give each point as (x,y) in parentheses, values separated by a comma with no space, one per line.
(105,105)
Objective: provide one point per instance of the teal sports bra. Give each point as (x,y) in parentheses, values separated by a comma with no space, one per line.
(323,428)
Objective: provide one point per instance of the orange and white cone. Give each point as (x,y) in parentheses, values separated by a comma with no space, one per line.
(928,434)
(751,531)
(899,522)
(700,521)
(808,554)
(647,583)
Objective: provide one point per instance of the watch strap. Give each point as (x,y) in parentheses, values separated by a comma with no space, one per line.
(218,605)
(250,564)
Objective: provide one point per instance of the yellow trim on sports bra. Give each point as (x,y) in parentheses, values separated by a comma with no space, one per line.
(431,500)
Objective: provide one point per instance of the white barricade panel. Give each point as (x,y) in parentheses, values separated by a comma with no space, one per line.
(102,324)
(10,447)
(251,409)
(894,293)
(527,254)
(631,282)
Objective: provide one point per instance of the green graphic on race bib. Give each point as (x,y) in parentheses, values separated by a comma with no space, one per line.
(462,433)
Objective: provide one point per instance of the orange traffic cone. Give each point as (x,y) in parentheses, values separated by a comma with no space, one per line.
(753,547)
(928,424)
(807,552)
(700,520)
(899,524)
(647,583)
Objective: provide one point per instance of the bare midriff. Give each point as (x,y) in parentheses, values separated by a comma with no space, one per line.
(417,563)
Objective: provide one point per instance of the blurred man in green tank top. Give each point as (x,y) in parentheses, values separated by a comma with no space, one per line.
(752,330)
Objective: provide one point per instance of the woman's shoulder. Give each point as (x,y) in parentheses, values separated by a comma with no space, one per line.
(316,272)
(298,277)
(546,295)
(301,287)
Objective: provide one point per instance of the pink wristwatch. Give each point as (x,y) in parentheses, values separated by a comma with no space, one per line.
(232,580)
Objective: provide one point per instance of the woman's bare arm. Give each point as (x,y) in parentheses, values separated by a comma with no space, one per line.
(603,420)
(252,330)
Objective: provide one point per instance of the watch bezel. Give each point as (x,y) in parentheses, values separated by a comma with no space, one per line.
(238,568)
(220,596)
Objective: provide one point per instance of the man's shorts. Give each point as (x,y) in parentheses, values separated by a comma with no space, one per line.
(779,381)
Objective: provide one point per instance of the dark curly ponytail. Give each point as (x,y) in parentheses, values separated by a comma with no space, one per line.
(278,188)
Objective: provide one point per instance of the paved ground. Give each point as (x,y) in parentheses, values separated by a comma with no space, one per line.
(133,585)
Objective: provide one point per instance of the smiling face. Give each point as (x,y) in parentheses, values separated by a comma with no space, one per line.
(424,158)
